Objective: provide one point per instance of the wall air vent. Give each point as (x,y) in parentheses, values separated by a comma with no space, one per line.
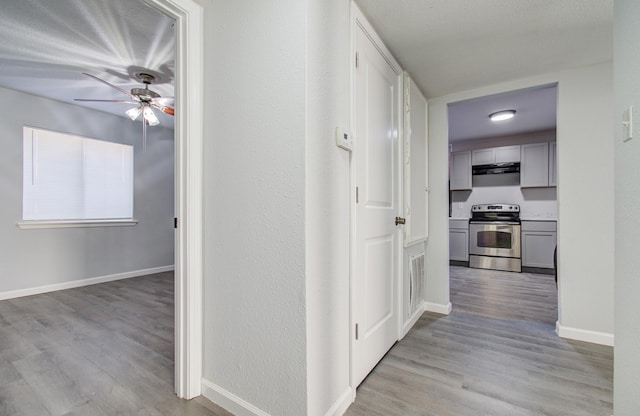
(416,281)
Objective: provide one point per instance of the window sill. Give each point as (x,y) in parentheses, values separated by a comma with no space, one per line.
(28,225)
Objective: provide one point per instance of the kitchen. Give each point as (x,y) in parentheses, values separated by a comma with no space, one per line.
(503,174)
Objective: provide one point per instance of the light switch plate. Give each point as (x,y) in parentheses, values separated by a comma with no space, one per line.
(344,139)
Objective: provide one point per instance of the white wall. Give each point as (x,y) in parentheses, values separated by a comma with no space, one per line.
(255,309)
(585,269)
(41,257)
(437,250)
(627,218)
(585,192)
(327,207)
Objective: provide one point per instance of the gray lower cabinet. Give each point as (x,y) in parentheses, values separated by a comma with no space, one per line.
(538,243)
(459,240)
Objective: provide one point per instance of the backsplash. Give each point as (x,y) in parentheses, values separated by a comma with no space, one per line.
(505,188)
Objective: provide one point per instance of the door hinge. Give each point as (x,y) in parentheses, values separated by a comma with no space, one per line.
(357,59)
(356,332)
(175,222)
(357,196)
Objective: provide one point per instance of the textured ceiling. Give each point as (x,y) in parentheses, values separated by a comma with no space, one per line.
(450,46)
(47,44)
(455,45)
(446,45)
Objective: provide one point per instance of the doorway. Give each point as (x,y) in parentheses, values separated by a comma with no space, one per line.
(187,168)
(479,150)
(188,187)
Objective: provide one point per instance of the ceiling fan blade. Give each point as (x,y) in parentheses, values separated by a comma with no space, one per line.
(109,84)
(166,101)
(168,110)
(105,101)
(164,108)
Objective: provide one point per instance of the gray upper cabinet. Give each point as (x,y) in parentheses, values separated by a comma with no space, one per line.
(507,154)
(495,155)
(460,171)
(483,157)
(534,165)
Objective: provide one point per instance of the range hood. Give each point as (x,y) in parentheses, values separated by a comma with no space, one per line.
(496,168)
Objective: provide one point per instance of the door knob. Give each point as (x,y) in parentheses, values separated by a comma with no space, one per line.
(400,220)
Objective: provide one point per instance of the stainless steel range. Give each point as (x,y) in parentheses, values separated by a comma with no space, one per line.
(494,237)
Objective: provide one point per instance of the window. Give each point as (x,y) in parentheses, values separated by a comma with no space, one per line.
(73,178)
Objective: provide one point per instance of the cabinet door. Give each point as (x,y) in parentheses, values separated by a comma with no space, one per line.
(483,156)
(507,154)
(416,182)
(460,171)
(537,248)
(534,165)
(459,245)
(552,164)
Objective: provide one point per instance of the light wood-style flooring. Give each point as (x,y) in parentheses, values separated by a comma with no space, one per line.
(108,350)
(495,354)
(100,350)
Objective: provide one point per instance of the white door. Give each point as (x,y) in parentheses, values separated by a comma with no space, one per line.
(377,236)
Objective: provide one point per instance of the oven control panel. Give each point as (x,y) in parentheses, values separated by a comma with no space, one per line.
(495,208)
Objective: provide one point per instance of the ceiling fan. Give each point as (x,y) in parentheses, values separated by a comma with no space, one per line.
(144,98)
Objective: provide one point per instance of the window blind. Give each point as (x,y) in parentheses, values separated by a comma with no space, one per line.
(68,177)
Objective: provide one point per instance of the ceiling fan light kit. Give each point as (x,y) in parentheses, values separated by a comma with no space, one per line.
(145,98)
(133,113)
(149,116)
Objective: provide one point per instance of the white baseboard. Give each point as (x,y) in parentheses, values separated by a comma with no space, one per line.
(438,308)
(342,404)
(229,401)
(241,407)
(594,337)
(82,282)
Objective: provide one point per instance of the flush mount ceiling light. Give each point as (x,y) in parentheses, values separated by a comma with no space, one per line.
(502,115)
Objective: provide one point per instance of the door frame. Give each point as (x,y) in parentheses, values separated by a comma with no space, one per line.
(188,199)
(357,19)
